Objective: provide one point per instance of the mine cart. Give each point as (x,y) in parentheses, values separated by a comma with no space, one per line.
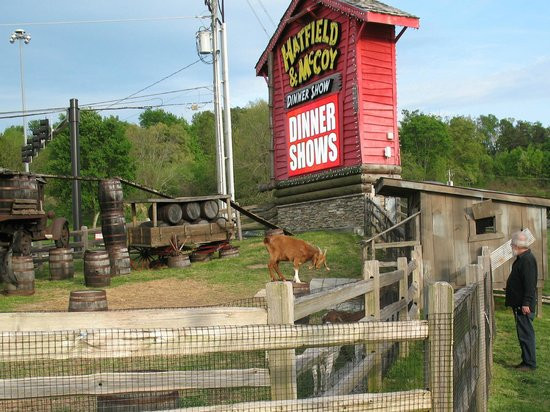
(183,221)
(22,215)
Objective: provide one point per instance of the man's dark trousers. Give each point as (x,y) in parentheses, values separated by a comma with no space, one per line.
(526,337)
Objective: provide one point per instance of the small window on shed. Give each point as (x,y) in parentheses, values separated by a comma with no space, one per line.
(486,225)
(484,222)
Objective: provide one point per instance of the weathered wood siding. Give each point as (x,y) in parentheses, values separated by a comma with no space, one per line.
(445,236)
(377,94)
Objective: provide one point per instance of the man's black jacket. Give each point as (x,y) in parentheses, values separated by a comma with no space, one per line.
(521,286)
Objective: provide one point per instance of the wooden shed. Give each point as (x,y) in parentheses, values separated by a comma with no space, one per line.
(455,222)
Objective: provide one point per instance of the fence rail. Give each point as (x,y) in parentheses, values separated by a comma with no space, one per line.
(277,351)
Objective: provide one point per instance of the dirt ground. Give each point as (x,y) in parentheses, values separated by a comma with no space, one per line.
(154,294)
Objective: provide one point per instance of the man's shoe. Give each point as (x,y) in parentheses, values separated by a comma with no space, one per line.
(526,368)
(519,365)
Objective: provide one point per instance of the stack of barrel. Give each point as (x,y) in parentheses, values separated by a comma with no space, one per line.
(113,226)
(179,213)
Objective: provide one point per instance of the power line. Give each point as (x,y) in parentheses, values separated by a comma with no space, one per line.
(157,82)
(151,95)
(145,19)
(267,13)
(257,17)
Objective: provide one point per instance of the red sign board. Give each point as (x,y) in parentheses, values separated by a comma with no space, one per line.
(313,136)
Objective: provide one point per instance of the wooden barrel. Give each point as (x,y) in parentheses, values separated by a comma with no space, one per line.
(119,258)
(97,268)
(61,264)
(17,187)
(179,261)
(113,228)
(191,211)
(23,276)
(87,301)
(138,401)
(209,209)
(201,257)
(110,195)
(170,213)
(231,251)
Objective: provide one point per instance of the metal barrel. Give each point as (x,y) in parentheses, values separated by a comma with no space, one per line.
(113,228)
(87,301)
(61,264)
(191,211)
(23,276)
(110,195)
(209,209)
(97,268)
(119,258)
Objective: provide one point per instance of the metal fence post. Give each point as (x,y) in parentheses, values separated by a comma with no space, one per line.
(282,363)
(440,332)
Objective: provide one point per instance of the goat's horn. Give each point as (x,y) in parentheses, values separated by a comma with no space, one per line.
(326,250)
(320,251)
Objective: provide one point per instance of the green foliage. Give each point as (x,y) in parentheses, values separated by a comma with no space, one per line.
(152,117)
(104,152)
(10,148)
(426,140)
(486,152)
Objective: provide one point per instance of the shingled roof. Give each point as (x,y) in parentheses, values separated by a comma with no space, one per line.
(366,10)
(377,7)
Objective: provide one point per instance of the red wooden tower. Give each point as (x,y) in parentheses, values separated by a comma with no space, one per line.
(331,73)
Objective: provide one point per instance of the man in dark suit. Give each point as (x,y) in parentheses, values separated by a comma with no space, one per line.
(521,296)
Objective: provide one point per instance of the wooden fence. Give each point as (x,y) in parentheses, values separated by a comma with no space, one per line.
(45,337)
(81,240)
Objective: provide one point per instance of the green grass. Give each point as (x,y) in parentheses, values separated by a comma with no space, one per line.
(510,390)
(242,275)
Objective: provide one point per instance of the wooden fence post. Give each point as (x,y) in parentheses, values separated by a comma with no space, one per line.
(403,295)
(489,306)
(371,270)
(282,363)
(481,385)
(440,332)
(84,238)
(418,277)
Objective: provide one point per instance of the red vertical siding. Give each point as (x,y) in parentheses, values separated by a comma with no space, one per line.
(351,147)
(377,94)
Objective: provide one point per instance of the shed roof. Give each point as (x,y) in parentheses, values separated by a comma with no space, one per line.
(366,10)
(397,187)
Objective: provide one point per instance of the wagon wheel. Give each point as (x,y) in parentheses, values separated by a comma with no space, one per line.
(22,242)
(144,256)
(63,240)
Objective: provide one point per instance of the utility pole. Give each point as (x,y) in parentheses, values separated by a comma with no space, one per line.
(218,112)
(228,137)
(74,130)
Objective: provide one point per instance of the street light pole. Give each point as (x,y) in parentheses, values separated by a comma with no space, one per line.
(21,35)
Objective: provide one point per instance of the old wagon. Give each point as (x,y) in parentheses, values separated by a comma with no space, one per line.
(188,222)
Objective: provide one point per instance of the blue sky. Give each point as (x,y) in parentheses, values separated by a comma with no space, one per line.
(467,58)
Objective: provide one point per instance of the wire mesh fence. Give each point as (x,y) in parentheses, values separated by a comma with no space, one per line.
(131,370)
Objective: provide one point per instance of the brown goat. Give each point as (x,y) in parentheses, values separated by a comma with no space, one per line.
(290,249)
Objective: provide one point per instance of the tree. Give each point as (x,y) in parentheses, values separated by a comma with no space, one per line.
(104,152)
(164,156)
(152,117)
(11,142)
(251,144)
(426,140)
(469,160)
